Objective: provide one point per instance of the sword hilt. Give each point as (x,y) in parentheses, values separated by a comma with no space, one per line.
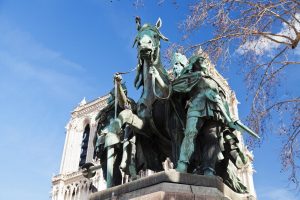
(89,170)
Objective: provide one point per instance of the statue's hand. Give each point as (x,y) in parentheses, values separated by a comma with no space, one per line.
(153,71)
(118,78)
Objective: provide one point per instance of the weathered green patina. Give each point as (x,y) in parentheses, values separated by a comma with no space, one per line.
(186,119)
(108,147)
(153,136)
(178,63)
(208,118)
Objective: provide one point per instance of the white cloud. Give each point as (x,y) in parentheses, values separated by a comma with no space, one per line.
(263,45)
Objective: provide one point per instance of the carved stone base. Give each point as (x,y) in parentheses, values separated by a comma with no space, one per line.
(172,185)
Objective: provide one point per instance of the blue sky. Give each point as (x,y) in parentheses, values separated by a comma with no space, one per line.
(52,54)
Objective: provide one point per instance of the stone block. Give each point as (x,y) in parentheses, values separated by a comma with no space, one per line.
(171,185)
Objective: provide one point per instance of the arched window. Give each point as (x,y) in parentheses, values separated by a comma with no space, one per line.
(73,194)
(84,145)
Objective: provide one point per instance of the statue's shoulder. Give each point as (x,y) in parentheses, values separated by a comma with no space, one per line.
(186,81)
(195,63)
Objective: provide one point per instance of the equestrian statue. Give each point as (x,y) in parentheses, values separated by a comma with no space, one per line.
(182,115)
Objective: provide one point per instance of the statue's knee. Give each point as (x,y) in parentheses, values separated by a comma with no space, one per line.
(137,122)
(126,116)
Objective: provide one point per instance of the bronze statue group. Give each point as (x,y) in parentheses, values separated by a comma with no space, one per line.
(182,116)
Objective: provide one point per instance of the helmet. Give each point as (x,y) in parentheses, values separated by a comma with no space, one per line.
(179,61)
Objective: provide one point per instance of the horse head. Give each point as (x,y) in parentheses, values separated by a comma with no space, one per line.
(148,41)
(148,46)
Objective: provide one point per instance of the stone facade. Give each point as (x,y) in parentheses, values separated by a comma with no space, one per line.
(69,184)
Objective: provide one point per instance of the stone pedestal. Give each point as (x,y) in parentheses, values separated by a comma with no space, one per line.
(172,185)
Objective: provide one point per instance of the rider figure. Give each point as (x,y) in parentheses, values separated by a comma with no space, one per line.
(204,116)
(106,139)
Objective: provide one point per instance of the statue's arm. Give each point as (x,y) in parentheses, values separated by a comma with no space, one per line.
(122,98)
(158,78)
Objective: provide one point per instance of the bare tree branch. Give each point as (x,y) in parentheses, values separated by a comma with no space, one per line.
(250,28)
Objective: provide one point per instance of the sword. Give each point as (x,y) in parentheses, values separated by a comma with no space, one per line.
(89,170)
(238,125)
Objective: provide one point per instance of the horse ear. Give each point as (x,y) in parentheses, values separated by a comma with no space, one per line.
(158,23)
(138,22)
(163,37)
(134,42)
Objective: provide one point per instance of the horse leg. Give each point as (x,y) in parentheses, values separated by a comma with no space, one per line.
(125,117)
(117,175)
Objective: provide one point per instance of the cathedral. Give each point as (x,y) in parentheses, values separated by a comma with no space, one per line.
(70,184)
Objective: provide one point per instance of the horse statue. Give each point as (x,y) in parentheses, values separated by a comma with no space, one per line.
(154,119)
(158,122)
